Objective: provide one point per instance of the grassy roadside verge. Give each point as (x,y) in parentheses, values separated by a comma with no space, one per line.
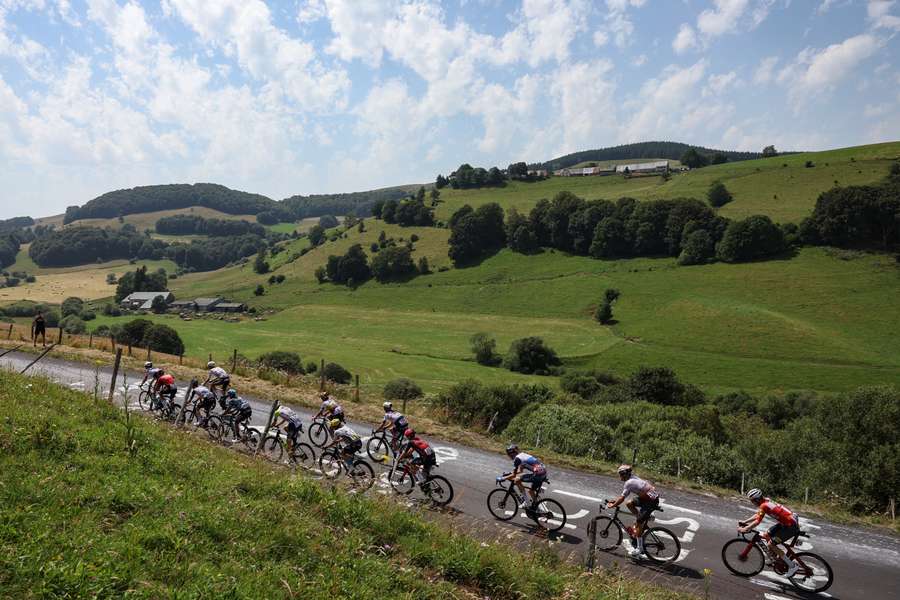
(84,517)
(369,409)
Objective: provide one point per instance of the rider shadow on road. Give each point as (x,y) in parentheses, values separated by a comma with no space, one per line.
(557,536)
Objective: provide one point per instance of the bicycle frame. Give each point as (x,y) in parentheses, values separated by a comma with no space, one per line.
(758,540)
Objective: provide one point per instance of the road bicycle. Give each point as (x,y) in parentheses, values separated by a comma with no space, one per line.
(435,487)
(660,544)
(221,429)
(332,464)
(380,446)
(145,397)
(504,502)
(319,432)
(747,555)
(275,448)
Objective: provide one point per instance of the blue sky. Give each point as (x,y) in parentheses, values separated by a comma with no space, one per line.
(316,96)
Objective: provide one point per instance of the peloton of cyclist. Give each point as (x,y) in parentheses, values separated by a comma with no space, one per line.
(240,408)
(206,400)
(526,469)
(218,378)
(645,501)
(285,415)
(395,420)
(421,452)
(347,440)
(786,526)
(164,386)
(330,409)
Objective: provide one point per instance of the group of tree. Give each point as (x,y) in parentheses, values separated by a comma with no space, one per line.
(351,269)
(170,197)
(74,315)
(407,213)
(528,355)
(9,248)
(143,333)
(519,172)
(467,176)
(140,280)
(604,313)
(81,245)
(355,203)
(186,224)
(646,150)
(476,233)
(210,254)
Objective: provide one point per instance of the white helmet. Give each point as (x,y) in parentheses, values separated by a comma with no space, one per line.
(624,470)
(211,365)
(148,365)
(387,406)
(755,494)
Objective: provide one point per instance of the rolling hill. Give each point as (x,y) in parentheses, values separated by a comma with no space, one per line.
(641,150)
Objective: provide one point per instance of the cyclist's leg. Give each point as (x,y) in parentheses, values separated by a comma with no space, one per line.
(520,480)
(536,483)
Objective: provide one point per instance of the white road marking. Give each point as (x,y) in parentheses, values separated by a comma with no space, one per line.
(690,511)
(692,527)
(768,596)
(446,453)
(576,495)
(579,515)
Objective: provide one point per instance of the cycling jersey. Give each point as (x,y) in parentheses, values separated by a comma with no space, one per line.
(203,392)
(238,405)
(344,433)
(331,406)
(397,419)
(421,448)
(154,372)
(166,380)
(289,415)
(529,463)
(644,490)
(218,373)
(780,513)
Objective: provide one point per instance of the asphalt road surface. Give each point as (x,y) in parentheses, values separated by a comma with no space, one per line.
(866,562)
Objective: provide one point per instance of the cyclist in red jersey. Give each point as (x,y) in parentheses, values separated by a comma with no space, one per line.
(164,386)
(786,526)
(424,458)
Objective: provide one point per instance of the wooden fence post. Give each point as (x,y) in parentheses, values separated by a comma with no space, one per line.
(112,342)
(181,358)
(148,352)
(129,348)
(234,361)
(210,357)
(322,376)
(262,438)
(356,391)
(60,335)
(9,335)
(91,340)
(115,375)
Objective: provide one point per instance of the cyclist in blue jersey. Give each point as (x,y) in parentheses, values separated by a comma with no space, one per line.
(526,469)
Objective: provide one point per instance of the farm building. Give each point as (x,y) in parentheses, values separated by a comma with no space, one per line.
(216,304)
(180,305)
(660,166)
(230,307)
(144,300)
(207,304)
(584,171)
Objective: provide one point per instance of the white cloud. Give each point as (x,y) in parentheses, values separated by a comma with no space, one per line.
(601,38)
(879,14)
(617,23)
(765,72)
(685,39)
(659,99)
(723,18)
(817,71)
(585,107)
(311,10)
(718,84)
(825,6)
(640,60)
(877,110)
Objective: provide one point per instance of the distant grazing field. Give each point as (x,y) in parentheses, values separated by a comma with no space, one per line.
(765,186)
(148,220)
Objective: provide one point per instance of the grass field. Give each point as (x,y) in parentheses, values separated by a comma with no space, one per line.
(765,186)
(178,517)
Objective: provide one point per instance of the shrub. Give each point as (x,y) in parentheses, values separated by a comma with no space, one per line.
(30,279)
(133,332)
(282,360)
(660,385)
(604,314)
(414,238)
(336,373)
(101,330)
(259,291)
(71,306)
(698,248)
(531,355)
(88,315)
(718,195)
(393,264)
(484,348)
(162,338)
(402,389)
(481,405)
(423,267)
(311,367)
(73,324)
(158,305)
(751,238)
(586,384)
(12,281)
(611,295)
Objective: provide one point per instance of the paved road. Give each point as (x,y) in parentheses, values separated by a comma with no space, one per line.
(866,562)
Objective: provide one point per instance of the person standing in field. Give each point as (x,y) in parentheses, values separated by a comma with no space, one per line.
(39,326)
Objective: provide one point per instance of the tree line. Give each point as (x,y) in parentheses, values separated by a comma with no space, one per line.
(197,225)
(663,150)
(467,176)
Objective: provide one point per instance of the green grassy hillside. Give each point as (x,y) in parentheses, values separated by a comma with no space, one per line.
(764,186)
(178,517)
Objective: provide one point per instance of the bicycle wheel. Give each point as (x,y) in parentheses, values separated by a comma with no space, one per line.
(401,481)
(743,557)
(250,438)
(214,428)
(330,463)
(172,411)
(609,534)
(273,449)
(144,400)
(550,514)
(378,449)
(438,490)
(814,574)
(190,413)
(318,435)
(502,504)
(304,455)
(661,545)
(362,474)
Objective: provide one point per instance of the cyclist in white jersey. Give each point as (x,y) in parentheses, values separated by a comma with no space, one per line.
(293,425)
(642,505)
(526,469)
(218,378)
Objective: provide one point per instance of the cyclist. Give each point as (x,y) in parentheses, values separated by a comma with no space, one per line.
(424,454)
(645,501)
(217,378)
(330,408)
(149,372)
(349,440)
(395,420)
(164,386)
(240,408)
(526,469)
(206,400)
(786,526)
(284,415)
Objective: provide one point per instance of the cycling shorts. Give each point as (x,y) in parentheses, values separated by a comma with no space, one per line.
(352,447)
(535,480)
(292,430)
(168,390)
(244,414)
(426,461)
(645,508)
(779,533)
(206,403)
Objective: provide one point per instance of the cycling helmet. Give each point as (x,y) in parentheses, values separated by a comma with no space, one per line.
(755,495)
(387,406)
(148,365)
(512,449)
(334,423)
(232,393)
(211,365)
(323,395)
(624,470)
(409,433)
(195,382)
